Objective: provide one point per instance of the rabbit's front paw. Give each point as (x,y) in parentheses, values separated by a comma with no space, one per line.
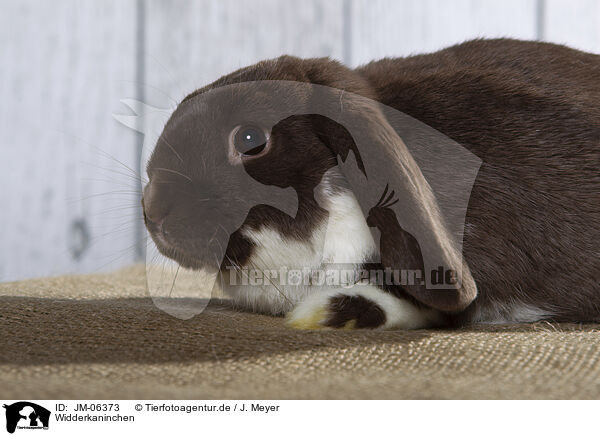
(359,307)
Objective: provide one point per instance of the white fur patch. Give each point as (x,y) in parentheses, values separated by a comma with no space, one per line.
(508,313)
(347,237)
(344,238)
(399,313)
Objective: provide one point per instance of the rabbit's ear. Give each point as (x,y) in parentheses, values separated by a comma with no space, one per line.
(372,157)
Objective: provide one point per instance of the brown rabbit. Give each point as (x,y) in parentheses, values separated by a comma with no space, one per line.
(531,243)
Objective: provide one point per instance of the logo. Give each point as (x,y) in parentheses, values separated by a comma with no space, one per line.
(26,415)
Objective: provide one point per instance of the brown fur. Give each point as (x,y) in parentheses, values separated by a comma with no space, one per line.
(529,110)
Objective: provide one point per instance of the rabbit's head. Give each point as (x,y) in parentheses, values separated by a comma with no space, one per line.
(262,147)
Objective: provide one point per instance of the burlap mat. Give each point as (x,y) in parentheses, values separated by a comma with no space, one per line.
(101,337)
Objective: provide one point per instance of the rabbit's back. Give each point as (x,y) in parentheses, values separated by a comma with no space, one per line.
(530,111)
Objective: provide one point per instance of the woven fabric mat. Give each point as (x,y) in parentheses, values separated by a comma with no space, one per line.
(101,337)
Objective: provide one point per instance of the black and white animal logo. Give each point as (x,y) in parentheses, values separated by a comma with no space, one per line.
(26,415)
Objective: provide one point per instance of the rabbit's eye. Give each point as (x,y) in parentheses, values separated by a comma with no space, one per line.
(249,140)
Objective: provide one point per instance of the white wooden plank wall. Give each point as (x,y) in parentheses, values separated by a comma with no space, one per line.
(65,65)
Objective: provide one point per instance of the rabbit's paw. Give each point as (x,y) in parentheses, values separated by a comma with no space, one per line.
(359,307)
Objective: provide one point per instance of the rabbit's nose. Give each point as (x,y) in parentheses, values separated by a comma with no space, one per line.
(156,207)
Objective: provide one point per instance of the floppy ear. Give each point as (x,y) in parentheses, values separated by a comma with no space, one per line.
(375,161)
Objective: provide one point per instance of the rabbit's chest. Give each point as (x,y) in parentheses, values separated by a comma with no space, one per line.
(280,271)
(342,238)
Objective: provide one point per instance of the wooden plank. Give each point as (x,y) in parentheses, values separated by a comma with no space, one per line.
(65,65)
(63,68)
(383,28)
(574,23)
(191,43)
